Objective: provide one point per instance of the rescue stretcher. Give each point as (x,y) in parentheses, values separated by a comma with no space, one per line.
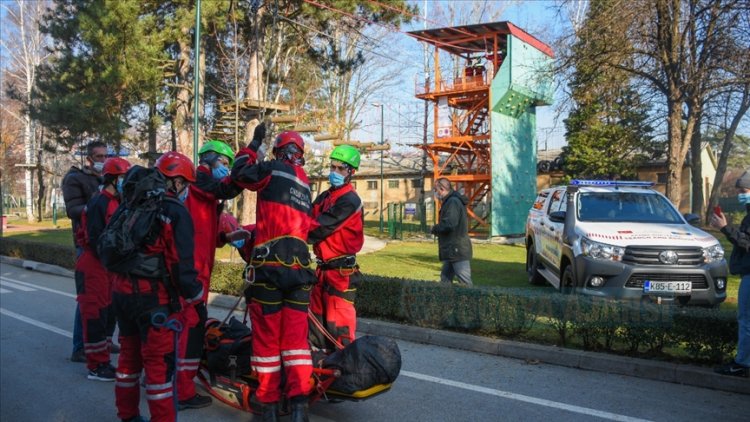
(238,390)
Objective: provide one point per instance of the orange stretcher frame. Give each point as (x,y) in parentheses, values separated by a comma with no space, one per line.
(238,392)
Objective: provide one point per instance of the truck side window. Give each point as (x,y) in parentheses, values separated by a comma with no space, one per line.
(557,198)
(539,203)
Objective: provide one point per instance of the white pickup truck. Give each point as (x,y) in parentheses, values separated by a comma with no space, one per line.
(622,240)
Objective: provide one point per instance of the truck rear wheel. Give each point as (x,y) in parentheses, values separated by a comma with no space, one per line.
(532,266)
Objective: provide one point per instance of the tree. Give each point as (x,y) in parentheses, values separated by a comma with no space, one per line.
(103,68)
(679,50)
(607,130)
(25,44)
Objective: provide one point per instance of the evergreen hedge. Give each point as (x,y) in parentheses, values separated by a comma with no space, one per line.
(49,253)
(670,332)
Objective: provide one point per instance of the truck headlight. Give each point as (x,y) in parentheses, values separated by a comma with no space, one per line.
(598,250)
(713,253)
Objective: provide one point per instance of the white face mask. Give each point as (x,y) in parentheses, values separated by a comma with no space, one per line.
(98,167)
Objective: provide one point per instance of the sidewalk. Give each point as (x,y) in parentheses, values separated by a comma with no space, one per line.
(372,244)
(531,353)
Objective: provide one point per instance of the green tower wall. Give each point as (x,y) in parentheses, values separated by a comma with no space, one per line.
(522,84)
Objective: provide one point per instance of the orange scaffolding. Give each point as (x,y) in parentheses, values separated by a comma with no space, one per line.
(460,150)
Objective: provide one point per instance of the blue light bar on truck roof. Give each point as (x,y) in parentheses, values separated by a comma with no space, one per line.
(622,183)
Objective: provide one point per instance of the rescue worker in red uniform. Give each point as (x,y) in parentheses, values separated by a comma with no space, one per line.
(279,297)
(138,299)
(93,281)
(212,185)
(337,235)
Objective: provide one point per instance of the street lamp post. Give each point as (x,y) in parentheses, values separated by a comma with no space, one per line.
(196,80)
(381,164)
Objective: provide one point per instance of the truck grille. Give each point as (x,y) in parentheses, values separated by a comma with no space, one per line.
(644,255)
(698,281)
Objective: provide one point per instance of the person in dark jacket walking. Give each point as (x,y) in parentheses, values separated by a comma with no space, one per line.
(280,295)
(739,263)
(452,231)
(78,187)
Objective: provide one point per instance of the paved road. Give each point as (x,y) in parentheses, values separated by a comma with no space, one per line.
(436,384)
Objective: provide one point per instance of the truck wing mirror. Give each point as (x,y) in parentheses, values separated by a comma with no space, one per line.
(557,216)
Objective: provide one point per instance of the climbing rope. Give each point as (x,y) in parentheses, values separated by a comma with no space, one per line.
(161,320)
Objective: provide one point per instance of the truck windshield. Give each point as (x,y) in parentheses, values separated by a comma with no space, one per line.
(626,206)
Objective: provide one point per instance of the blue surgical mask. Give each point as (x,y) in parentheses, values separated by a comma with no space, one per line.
(183,195)
(336,179)
(238,243)
(744,198)
(119,185)
(98,167)
(220,172)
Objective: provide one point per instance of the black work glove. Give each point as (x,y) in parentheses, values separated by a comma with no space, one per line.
(258,135)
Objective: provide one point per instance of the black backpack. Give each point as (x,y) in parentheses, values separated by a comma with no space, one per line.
(134,225)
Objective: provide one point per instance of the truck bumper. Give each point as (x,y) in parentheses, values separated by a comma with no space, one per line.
(623,281)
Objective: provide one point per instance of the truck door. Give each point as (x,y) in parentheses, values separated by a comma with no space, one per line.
(552,231)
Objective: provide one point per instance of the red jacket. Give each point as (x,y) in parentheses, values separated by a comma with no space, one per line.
(94,218)
(282,218)
(338,228)
(203,204)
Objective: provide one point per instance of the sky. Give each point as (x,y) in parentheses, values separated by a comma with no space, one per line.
(537,17)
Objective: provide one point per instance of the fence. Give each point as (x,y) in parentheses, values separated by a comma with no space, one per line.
(414,219)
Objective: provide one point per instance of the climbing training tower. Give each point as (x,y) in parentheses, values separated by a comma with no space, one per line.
(484,110)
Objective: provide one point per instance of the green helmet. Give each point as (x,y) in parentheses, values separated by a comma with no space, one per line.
(218,147)
(346,154)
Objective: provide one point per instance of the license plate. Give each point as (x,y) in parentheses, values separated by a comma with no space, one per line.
(667,286)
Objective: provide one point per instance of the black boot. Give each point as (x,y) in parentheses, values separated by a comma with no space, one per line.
(299,409)
(269,412)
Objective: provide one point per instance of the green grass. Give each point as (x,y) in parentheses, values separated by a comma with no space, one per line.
(492,265)
(60,236)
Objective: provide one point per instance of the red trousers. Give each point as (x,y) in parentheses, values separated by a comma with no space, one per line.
(144,346)
(279,323)
(190,349)
(332,303)
(94,296)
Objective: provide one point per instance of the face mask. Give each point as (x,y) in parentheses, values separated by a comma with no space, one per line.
(238,243)
(119,185)
(220,172)
(182,196)
(98,167)
(744,198)
(336,179)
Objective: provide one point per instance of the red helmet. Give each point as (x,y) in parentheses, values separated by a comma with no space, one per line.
(289,137)
(227,223)
(173,164)
(115,166)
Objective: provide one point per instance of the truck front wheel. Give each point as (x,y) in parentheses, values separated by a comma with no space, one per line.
(568,283)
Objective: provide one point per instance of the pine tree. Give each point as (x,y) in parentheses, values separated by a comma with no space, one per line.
(607,129)
(104,67)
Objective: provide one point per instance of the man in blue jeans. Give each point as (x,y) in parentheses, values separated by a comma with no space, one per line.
(78,186)
(739,263)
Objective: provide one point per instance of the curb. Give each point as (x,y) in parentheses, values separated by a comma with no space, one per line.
(592,361)
(37,266)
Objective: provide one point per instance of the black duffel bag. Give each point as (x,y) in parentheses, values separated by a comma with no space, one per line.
(368,361)
(229,354)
